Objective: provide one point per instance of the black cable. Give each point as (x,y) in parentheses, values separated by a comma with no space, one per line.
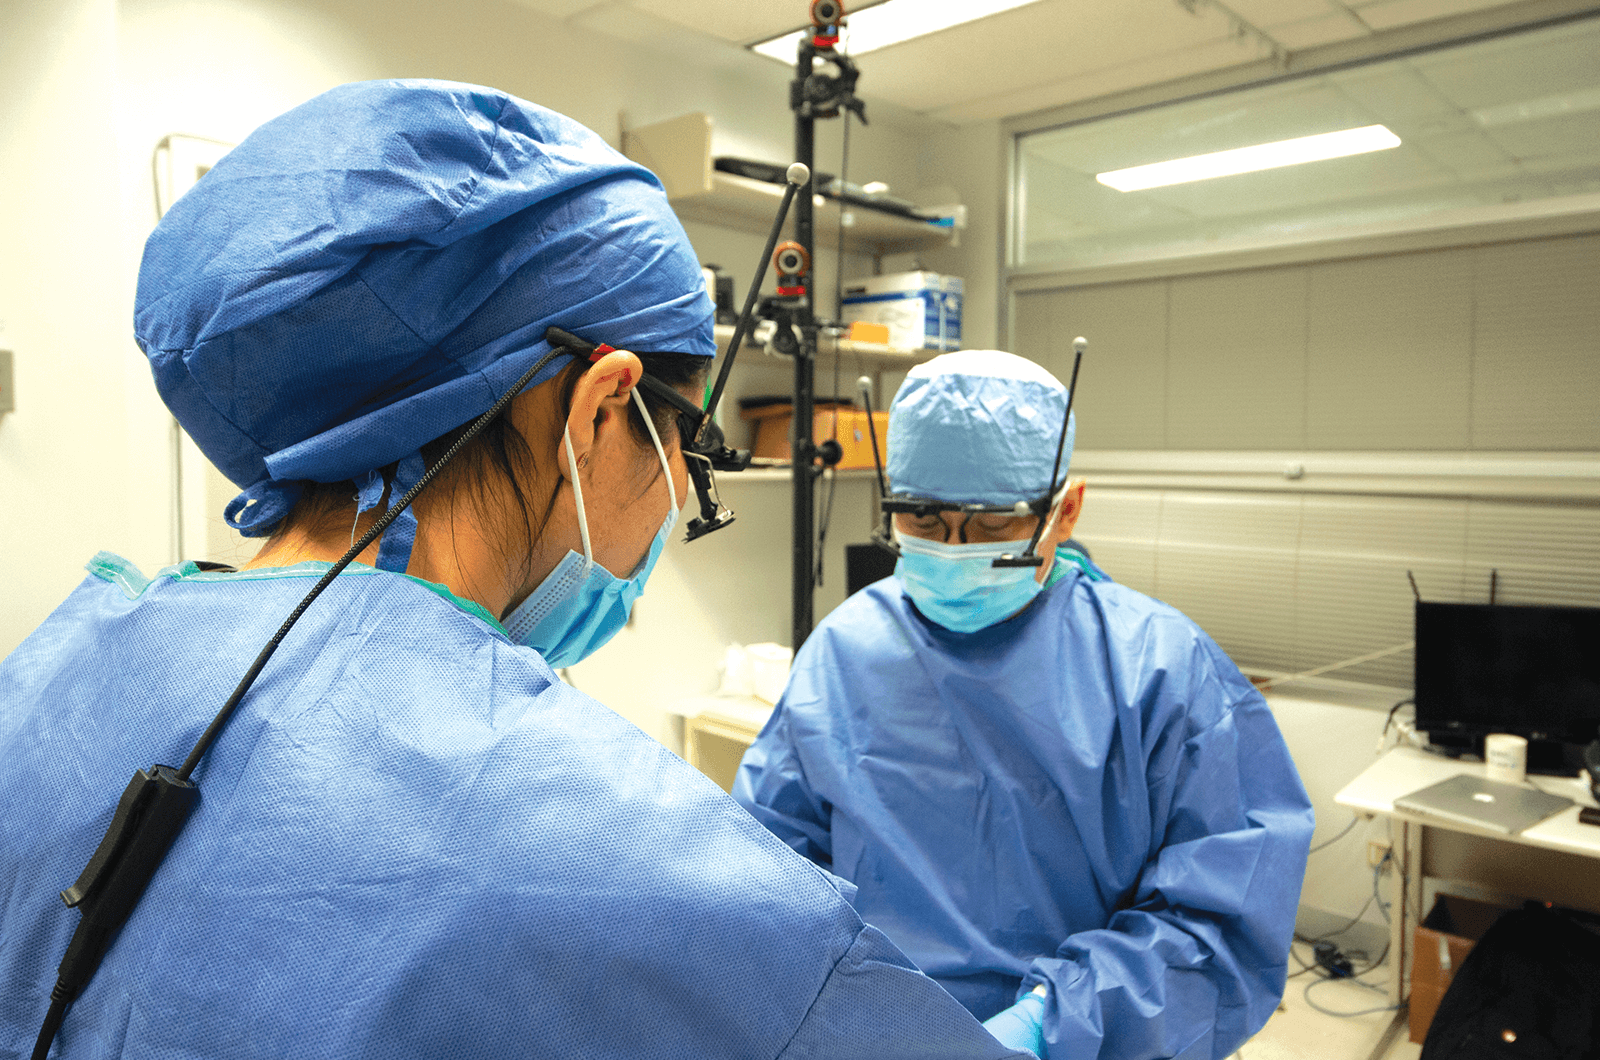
(214,730)
(1390,719)
(1345,1015)
(1331,934)
(1327,967)
(52,1022)
(1354,820)
(1304,967)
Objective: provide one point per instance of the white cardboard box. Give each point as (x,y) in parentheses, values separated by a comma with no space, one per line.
(921,309)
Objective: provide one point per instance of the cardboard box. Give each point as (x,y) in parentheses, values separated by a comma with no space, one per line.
(1442,942)
(921,309)
(771,427)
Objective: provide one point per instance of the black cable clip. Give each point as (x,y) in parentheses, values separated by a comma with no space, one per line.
(152,811)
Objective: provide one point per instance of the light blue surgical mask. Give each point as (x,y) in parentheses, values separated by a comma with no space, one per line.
(580,605)
(958,586)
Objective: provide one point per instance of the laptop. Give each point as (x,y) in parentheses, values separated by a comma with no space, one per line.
(1469,799)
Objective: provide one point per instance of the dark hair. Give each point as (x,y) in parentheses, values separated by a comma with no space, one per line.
(499,452)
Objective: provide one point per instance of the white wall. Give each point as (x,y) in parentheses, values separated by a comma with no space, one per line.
(84,458)
(1332,743)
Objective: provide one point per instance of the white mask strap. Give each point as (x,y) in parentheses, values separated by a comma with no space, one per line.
(650,425)
(1055,513)
(577,496)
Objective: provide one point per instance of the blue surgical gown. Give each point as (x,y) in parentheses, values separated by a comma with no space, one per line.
(1088,795)
(412,841)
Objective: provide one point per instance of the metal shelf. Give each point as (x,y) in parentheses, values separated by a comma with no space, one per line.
(829,345)
(679,152)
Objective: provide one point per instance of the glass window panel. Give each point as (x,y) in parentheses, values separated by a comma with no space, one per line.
(1507,120)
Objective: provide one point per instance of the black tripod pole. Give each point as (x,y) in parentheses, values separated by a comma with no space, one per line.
(802,445)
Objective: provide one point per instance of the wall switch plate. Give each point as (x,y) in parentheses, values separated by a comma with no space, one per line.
(8,398)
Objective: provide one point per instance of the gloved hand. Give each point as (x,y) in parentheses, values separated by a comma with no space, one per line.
(1022,1025)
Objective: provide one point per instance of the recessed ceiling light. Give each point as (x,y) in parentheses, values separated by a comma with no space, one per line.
(891,22)
(1252,159)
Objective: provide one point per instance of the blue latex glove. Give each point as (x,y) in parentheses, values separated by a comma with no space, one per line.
(1022,1025)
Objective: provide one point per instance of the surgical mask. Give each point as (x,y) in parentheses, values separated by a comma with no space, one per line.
(958,586)
(580,605)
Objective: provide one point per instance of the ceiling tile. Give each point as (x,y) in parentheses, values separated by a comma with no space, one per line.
(1172,66)
(1464,153)
(1042,43)
(1265,13)
(559,8)
(1311,32)
(1518,69)
(1397,95)
(1388,14)
(1554,138)
(740,21)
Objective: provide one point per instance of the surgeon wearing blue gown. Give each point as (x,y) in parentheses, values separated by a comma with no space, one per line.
(1056,795)
(412,839)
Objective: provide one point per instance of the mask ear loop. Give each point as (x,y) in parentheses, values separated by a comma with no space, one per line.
(1055,514)
(1055,511)
(577,496)
(650,425)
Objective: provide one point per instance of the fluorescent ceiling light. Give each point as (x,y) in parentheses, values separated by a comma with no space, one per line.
(891,22)
(1558,106)
(1252,159)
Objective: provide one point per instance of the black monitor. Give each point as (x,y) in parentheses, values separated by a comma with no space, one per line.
(865,564)
(1531,671)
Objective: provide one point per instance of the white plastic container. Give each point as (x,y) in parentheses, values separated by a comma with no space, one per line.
(769,670)
(1506,757)
(921,309)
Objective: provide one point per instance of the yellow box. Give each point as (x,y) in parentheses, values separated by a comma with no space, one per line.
(862,331)
(846,423)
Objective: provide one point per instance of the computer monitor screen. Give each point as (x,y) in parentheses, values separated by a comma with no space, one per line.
(1533,671)
(865,564)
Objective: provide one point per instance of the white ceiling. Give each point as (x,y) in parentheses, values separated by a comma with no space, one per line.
(1046,54)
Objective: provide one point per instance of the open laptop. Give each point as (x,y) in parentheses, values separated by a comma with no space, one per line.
(1468,799)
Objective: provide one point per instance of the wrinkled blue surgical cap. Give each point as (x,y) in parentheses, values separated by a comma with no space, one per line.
(977,427)
(376,267)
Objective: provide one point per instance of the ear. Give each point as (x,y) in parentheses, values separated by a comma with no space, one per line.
(602,394)
(1067,513)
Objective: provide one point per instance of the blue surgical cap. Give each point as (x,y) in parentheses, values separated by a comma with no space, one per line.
(376,267)
(977,427)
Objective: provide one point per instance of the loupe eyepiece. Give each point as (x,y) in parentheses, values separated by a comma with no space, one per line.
(885,540)
(1024,560)
(713,516)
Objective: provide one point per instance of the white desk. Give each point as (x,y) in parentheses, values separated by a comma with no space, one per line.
(1556,860)
(717,730)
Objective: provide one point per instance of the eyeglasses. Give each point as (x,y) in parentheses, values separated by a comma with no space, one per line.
(700,440)
(994,521)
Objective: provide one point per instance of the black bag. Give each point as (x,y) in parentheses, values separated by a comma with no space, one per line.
(1529,990)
